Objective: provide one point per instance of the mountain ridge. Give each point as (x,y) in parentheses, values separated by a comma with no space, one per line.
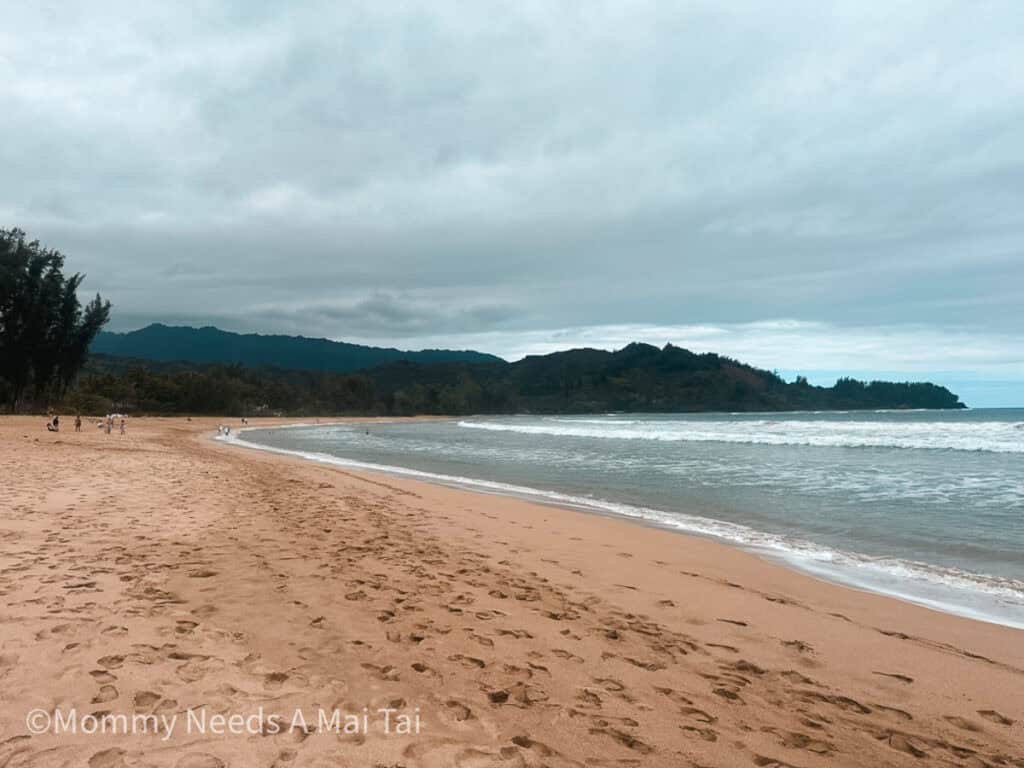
(637,378)
(207,344)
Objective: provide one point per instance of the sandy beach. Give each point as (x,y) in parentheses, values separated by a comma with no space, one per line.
(162,575)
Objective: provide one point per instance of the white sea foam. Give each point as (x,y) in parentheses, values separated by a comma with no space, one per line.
(987,598)
(992,436)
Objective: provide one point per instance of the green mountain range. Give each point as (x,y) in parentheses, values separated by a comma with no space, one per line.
(182,370)
(212,345)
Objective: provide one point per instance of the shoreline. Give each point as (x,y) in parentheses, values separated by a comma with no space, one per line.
(693,539)
(166,572)
(799,559)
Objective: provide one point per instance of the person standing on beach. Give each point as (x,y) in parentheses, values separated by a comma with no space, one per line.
(78,422)
(122,425)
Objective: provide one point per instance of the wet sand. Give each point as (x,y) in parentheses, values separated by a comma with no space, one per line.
(161,574)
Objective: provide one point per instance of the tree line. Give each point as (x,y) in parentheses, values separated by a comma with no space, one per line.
(639,378)
(45,332)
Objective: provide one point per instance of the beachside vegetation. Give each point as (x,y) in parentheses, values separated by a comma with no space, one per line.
(45,332)
(638,378)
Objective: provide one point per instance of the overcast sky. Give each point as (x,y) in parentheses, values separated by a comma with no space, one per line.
(821,188)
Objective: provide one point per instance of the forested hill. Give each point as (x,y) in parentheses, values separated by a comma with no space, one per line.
(212,345)
(638,378)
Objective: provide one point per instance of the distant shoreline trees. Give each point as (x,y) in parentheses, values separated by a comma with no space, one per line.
(45,332)
(637,379)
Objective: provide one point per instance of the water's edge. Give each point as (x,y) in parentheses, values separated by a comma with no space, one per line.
(993,600)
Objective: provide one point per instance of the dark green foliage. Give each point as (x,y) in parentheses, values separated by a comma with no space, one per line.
(638,378)
(137,386)
(212,345)
(45,332)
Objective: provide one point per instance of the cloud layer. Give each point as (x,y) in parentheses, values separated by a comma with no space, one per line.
(370,170)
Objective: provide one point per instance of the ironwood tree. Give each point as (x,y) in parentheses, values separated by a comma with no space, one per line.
(45,332)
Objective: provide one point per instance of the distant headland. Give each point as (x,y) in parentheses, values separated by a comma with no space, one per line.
(165,369)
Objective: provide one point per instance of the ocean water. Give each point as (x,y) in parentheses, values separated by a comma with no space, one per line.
(927,506)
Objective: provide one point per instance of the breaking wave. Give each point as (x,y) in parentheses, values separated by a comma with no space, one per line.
(992,436)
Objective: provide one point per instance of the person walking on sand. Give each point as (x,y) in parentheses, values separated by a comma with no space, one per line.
(122,425)
(78,422)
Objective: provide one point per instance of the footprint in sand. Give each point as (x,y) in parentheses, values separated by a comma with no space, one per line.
(761,761)
(798,645)
(466,661)
(108,758)
(729,648)
(994,717)
(563,654)
(107,693)
(908,744)
(458,711)
(627,740)
(675,696)
(519,695)
(423,669)
(844,703)
(484,641)
(519,634)
(388,672)
(893,712)
(699,715)
(795,677)
(797,740)
(146,699)
(895,676)
(963,723)
(274,680)
(744,666)
(707,734)
(610,684)
(728,693)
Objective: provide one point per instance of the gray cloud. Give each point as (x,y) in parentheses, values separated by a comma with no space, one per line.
(364,170)
(388,314)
